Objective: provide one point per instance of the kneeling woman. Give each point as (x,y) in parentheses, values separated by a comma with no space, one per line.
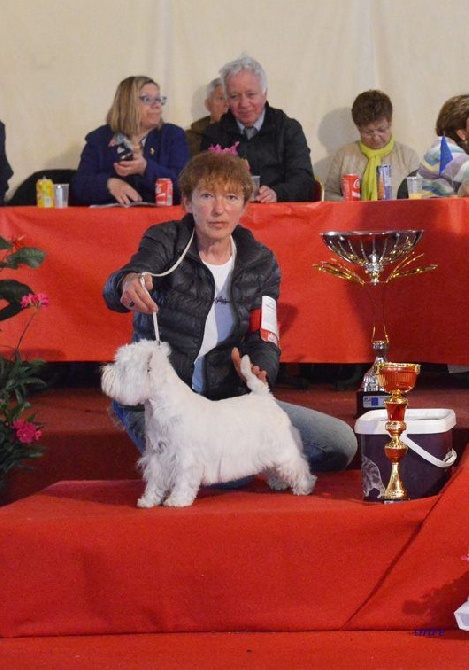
(210,281)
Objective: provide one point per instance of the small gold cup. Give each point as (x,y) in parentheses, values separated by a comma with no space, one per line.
(397,379)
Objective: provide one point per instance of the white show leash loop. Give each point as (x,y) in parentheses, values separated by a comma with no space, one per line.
(142,275)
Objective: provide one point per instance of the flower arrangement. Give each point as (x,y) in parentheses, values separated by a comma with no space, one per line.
(19,432)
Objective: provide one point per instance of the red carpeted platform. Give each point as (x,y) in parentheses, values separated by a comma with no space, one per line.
(80,558)
(388,650)
(254,579)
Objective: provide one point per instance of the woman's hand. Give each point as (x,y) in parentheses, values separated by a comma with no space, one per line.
(137,165)
(236,359)
(135,293)
(464,190)
(122,191)
(266,194)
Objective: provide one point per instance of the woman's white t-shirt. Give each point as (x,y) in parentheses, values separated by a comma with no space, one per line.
(220,319)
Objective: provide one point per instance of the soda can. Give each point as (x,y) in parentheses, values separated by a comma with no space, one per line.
(351,187)
(164,192)
(383,180)
(45,192)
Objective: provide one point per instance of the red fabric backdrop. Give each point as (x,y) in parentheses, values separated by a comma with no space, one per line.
(322,318)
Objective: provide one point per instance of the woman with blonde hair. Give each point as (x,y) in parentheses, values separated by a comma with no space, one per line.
(122,160)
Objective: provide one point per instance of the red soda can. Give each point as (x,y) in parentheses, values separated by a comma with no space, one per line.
(351,187)
(164,192)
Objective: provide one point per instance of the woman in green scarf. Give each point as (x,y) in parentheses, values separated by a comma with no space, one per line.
(372,115)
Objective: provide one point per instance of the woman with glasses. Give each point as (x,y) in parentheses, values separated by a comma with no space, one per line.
(123,159)
(372,115)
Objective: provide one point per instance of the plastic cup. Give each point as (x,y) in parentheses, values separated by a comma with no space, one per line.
(256,182)
(60,195)
(414,187)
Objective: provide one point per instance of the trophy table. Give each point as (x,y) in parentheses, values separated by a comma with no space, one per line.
(372,252)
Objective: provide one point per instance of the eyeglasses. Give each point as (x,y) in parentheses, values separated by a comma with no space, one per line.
(376,131)
(157,100)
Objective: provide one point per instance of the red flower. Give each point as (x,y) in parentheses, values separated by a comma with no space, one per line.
(26,432)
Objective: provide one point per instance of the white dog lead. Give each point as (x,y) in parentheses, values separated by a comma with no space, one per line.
(142,275)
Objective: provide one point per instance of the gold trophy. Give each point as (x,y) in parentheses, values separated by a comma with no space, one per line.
(372,252)
(397,379)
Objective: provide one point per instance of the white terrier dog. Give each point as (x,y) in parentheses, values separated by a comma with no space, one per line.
(191,440)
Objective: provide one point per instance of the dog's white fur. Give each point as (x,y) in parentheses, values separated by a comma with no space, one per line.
(191,440)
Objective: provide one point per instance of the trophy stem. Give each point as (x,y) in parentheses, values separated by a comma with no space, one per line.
(371,394)
(395,490)
(395,450)
(370,380)
(377,300)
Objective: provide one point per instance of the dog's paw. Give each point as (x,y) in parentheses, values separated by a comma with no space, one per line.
(178,501)
(277,484)
(305,487)
(146,501)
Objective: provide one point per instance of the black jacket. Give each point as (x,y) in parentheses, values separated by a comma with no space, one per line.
(185,296)
(5,170)
(278,152)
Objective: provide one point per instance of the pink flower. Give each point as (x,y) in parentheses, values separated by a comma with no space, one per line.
(26,432)
(35,300)
(217,149)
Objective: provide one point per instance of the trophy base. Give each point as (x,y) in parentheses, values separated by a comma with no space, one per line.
(368,400)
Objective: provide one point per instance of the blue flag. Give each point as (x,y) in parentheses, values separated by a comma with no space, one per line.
(445,155)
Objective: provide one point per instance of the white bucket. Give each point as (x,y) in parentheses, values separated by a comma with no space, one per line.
(427,465)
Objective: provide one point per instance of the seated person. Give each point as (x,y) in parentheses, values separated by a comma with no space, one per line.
(209,284)
(372,115)
(445,166)
(216,105)
(273,144)
(122,160)
(5,170)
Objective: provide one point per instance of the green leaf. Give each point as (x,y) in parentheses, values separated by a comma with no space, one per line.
(13,290)
(25,256)
(9,311)
(5,244)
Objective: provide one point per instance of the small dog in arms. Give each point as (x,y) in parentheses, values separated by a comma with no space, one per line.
(192,441)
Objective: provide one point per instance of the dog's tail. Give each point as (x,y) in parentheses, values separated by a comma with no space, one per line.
(253,383)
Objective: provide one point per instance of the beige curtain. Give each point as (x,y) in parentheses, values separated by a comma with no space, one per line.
(62,59)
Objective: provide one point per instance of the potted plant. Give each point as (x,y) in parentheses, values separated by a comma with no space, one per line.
(19,430)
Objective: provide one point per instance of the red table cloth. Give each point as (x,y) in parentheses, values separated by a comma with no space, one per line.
(322,318)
